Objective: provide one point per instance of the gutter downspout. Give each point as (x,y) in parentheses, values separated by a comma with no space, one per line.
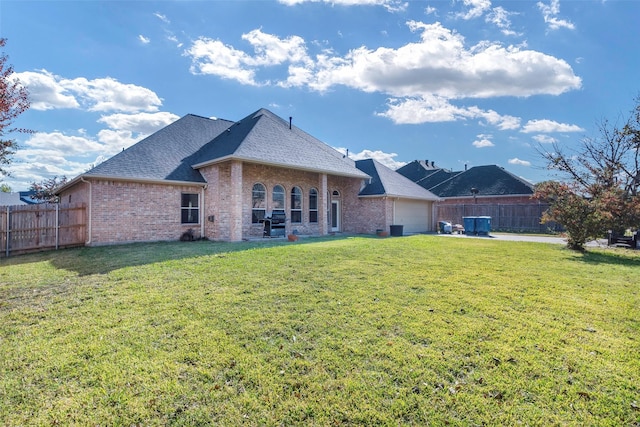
(89,228)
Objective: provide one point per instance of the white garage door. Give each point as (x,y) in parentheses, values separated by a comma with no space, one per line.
(415,215)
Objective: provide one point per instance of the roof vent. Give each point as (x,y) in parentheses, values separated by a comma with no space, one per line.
(290,120)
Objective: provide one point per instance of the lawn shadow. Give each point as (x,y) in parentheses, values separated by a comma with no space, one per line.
(104,259)
(623,257)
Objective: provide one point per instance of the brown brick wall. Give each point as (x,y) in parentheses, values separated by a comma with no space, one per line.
(220,201)
(136,212)
(133,212)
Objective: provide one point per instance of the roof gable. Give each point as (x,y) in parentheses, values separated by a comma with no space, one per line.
(387,182)
(263,137)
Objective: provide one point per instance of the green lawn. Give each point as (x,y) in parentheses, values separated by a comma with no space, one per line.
(420,330)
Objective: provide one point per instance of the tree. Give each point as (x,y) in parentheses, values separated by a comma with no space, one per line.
(45,190)
(602,186)
(5,188)
(13,102)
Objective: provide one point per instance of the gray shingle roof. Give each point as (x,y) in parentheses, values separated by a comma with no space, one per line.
(489,180)
(165,154)
(176,152)
(387,182)
(426,177)
(263,137)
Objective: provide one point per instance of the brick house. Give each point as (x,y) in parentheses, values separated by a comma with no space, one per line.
(221,179)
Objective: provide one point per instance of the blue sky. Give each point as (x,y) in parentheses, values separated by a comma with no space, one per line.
(457,82)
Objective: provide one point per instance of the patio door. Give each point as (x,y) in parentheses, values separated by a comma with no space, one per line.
(335,215)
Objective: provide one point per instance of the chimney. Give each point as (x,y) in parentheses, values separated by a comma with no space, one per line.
(290,120)
(465,166)
(433,164)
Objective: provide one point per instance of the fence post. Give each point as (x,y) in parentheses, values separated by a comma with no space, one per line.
(8,224)
(57,225)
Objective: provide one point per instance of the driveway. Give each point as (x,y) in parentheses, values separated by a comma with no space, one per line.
(526,238)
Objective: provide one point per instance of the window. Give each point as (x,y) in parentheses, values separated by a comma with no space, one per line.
(313,205)
(258,203)
(190,208)
(278,198)
(296,204)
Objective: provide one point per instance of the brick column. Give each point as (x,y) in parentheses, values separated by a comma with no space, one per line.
(323,205)
(212,202)
(235,205)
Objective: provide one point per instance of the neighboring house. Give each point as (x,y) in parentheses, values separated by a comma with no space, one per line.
(480,190)
(17,199)
(478,184)
(221,179)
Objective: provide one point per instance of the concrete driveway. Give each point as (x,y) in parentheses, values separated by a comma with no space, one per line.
(526,238)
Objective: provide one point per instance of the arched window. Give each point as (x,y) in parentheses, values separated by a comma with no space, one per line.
(278,198)
(296,204)
(258,203)
(313,205)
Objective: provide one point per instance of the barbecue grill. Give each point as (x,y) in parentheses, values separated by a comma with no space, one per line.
(274,225)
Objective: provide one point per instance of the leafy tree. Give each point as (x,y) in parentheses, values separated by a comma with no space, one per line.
(602,182)
(13,102)
(45,190)
(5,188)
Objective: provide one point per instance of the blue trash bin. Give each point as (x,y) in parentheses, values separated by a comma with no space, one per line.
(483,225)
(469,223)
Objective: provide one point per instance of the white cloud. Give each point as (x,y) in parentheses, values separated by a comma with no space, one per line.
(271,50)
(108,94)
(57,141)
(477,8)
(162,17)
(172,38)
(544,139)
(140,123)
(117,140)
(422,78)
(45,91)
(548,126)
(214,57)
(387,159)
(143,39)
(517,161)
(433,109)
(500,17)
(439,64)
(48,154)
(483,141)
(550,12)
(48,91)
(391,5)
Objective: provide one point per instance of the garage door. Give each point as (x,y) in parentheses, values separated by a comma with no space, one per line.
(415,215)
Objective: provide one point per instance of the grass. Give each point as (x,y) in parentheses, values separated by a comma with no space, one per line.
(418,330)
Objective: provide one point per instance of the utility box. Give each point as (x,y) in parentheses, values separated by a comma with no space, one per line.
(396,230)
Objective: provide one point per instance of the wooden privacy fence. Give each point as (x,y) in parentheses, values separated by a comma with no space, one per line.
(31,228)
(507,217)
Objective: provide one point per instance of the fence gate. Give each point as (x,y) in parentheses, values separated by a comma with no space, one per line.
(30,228)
